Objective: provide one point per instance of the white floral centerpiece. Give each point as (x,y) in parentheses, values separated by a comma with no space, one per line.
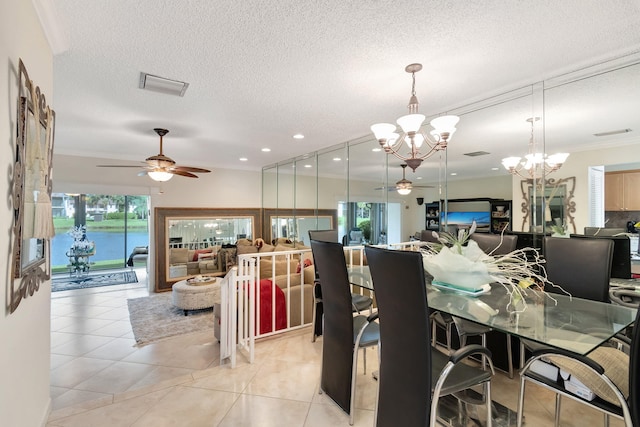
(80,251)
(457,261)
(81,245)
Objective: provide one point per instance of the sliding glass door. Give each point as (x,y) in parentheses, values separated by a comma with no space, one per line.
(112,224)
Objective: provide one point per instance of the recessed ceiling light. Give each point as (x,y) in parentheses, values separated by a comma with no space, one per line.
(298,136)
(376,149)
(495,169)
(266,150)
(307,166)
(453,174)
(336,159)
(418,177)
(243,159)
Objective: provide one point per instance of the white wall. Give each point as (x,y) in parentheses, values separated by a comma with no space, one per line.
(24,357)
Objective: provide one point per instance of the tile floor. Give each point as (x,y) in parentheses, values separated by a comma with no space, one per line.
(100,378)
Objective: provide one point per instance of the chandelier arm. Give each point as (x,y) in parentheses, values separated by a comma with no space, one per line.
(431,152)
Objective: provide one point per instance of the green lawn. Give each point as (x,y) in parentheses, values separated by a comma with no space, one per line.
(62,225)
(98,265)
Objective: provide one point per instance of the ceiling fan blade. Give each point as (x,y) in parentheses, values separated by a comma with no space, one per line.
(143,173)
(118,166)
(182,173)
(190,169)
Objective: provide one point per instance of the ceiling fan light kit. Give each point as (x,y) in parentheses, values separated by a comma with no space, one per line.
(392,142)
(404,186)
(161,168)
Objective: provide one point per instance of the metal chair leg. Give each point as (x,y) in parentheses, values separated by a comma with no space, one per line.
(558,404)
(509,356)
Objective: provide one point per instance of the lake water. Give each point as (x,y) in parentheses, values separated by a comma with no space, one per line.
(109,246)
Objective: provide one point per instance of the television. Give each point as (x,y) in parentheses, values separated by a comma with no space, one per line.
(621,262)
(466,219)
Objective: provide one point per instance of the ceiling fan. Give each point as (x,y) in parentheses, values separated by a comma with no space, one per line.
(404,186)
(161,167)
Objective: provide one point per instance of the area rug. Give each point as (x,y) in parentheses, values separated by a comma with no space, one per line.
(67,283)
(155,317)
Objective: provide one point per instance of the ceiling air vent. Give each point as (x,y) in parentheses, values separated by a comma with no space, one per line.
(162,85)
(612,132)
(476,154)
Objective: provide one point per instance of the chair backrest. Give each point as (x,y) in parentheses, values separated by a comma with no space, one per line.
(634,373)
(404,394)
(601,231)
(324,235)
(356,235)
(495,243)
(337,341)
(581,267)
(427,236)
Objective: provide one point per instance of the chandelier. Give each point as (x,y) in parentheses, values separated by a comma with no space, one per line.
(392,142)
(535,163)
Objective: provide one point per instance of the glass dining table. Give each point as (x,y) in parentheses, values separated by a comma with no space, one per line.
(556,320)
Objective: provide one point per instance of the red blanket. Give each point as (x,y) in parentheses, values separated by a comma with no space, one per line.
(266,309)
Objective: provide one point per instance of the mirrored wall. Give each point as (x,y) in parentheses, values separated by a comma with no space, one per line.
(590,114)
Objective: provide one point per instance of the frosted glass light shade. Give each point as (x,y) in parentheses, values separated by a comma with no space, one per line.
(391,139)
(383,130)
(557,159)
(160,176)
(411,122)
(535,158)
(510,162)
(445,124)
(404,191)
(418,139)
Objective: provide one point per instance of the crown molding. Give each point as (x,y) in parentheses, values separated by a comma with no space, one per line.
(52,26)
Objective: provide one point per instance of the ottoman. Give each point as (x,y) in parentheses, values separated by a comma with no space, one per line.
(196,296)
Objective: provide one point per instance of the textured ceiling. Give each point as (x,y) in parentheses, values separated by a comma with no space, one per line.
(262,71)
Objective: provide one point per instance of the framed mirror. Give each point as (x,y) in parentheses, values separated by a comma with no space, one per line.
(33,223)
(189,240)
(549,208)
(295,224)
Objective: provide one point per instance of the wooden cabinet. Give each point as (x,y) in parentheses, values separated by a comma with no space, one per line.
(632,191)
(622,191)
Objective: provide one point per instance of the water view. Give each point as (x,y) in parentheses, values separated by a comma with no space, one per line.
(109,245)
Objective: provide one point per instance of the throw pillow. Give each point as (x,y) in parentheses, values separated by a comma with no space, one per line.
(267,248)
(307,262)
(198,252)
(178,256)
(247,249)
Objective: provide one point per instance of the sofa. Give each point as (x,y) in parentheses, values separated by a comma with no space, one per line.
(186,260)
(276,269)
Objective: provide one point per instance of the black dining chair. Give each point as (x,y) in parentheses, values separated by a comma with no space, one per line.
(580,267)
(359,302)
(414,374)
(496,245)
(594,372)
(344,334)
